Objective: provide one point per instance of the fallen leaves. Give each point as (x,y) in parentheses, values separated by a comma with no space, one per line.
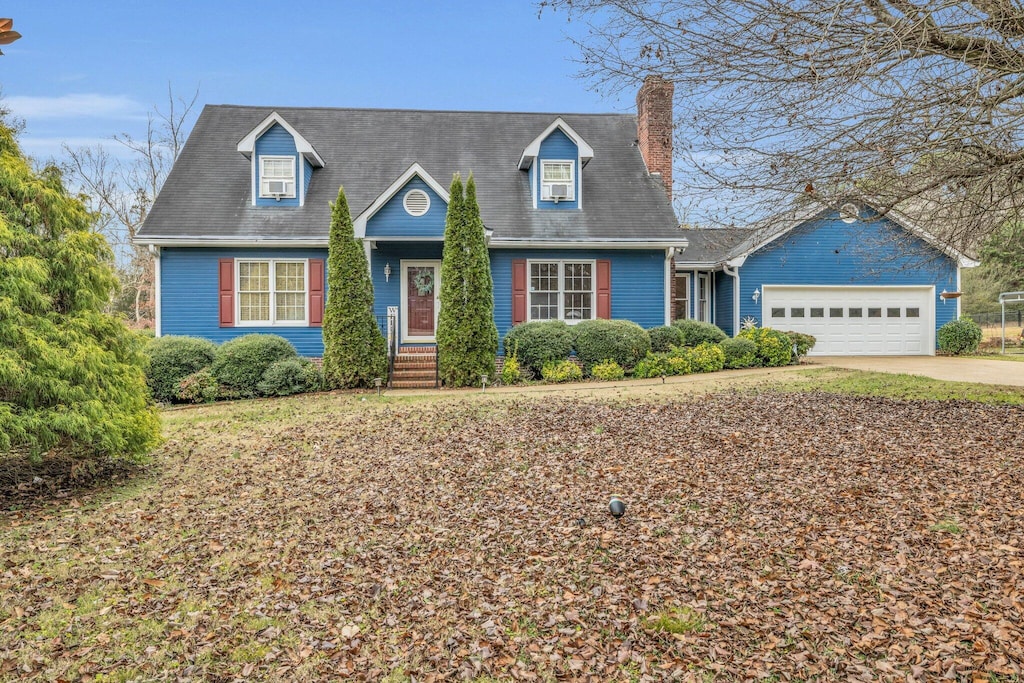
(796,536)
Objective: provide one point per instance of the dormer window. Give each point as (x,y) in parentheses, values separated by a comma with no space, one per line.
(277,177)
(557,180)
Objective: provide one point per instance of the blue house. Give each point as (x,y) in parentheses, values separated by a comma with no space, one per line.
(579,226)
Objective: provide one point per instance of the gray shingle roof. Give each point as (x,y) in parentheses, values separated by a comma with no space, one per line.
(712,246)
(208,192)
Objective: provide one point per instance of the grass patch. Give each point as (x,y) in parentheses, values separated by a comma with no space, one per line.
(947,526)
(679,620)
(888,385)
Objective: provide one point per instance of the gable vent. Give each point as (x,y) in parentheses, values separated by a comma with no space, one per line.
(416,202)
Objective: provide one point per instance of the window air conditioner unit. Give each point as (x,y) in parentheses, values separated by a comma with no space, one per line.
(277,187)
(559,191)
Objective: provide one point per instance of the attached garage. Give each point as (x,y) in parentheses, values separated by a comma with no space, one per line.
(855,320)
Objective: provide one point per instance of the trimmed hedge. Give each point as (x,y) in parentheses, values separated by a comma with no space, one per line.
(739,353)
(199,387)
(607,371)
(240,363)
(561,371)
(665,337)
(651,365)
(535,344)
(773,347)
(697,332)
(172,359)
(706,357)
(622,341)
(290,376)
(959,336)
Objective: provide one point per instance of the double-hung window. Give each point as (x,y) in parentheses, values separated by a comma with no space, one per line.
(277,177)
(682,301)
(556,180)
(562,290)
(272,292)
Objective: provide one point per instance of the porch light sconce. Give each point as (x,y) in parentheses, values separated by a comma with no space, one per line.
(756,295)
(387,272)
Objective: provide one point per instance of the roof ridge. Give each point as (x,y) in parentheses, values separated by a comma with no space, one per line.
(272,107)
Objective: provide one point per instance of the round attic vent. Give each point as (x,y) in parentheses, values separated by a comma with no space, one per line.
(849,212)
(416,202)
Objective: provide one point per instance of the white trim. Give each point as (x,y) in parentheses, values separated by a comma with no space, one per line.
(571,197)
(247,145)
(255,179)
(403,315)
(960,299)
(359,224)
(586,152)
(273,293)
(733,271)
(262,179)
(253,242)
(300,181)
(529,243)
(561,289)
(705,312)
(157,284)
(669,274)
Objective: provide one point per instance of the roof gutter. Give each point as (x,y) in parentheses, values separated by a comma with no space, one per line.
(612,243)
(200,241)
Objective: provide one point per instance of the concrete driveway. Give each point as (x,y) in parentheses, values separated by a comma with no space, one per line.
(980,370)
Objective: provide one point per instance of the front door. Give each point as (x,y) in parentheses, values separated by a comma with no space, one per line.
(420,286)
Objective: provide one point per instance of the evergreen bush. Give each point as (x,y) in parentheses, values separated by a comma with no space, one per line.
(71,376)
(665,337)
(773,347)
(199,387)
(651,365)
(608,371)
(510,373)
(289,376)
(538,343)
(172,359)
(467,338)
(698,332)
(355,351)
(804,342)
(706,357)
(561,371)
(739,353)
(622,341)
(959,336)
(240,363)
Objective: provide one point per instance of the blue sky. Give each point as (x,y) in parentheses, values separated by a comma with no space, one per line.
(86,70)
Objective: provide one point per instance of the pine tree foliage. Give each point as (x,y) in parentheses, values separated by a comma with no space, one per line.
(467,337)
(71,376)
(355,351)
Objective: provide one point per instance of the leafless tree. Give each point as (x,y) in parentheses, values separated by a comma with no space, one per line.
(914,105)
(122,191)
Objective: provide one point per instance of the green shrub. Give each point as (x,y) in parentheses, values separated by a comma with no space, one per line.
(290,376)
(773,347)
(697,332)
(240,363)
(622,341)
(536,344)
(651,365)
(664,338)
(561,371)
(677,362)
(959,336)
(607,371)
(510,371)
(199,387)
(706,357)
(804,342)
(739,353)
(172,359)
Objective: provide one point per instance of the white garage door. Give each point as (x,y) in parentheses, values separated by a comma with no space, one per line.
(855,321)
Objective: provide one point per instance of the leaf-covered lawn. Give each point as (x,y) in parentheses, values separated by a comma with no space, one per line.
(778,536)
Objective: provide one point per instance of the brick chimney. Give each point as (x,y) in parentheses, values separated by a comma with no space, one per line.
(654,126)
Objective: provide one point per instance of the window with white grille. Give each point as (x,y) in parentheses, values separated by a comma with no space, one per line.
(277,177)
(557,181)
(562,290)
(272,292)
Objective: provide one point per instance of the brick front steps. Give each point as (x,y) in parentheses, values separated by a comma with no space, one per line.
(415,368)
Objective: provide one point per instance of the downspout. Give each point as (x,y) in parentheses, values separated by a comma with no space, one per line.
(669,254)
(154,251)
(732,269)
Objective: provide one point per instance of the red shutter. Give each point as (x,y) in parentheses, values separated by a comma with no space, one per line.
(518,291)
(604,289)
(316,292)
(226,292)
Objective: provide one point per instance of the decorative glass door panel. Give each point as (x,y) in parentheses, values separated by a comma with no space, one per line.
(420,290)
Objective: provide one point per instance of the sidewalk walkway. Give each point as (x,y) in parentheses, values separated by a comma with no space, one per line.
(980,370)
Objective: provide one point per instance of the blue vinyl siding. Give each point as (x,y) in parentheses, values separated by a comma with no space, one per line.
(390,293)
(307,175)
(189,297)
(638,282)
(723,302)
(277,142)
(558,146)
(392,220)
(827,251)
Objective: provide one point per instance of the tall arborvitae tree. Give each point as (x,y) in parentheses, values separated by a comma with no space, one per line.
(71,378)
(355,351)
(469,342)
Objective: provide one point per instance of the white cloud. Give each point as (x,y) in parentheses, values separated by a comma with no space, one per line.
(75,106)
